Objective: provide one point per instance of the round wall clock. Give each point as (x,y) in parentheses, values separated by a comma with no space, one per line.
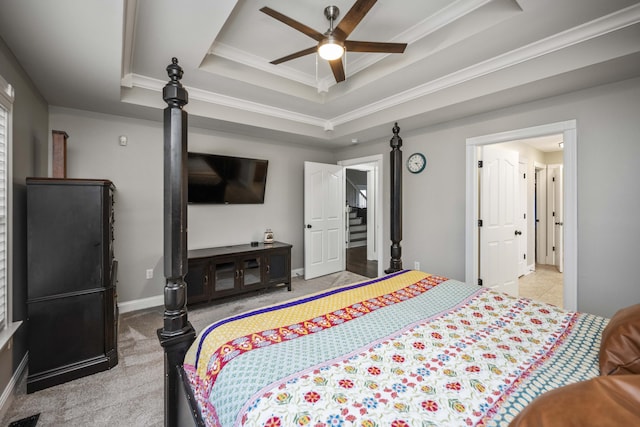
(416,163)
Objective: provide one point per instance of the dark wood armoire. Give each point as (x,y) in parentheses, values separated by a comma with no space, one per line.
(71,280)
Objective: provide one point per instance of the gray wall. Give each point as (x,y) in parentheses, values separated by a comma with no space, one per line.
(608,146)
(93,151)
(29,151)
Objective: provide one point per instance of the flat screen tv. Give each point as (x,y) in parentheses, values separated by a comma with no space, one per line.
(216,179)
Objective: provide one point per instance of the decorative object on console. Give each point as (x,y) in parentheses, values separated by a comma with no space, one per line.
(268,236)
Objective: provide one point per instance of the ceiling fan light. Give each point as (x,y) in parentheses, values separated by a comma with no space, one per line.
(330,49)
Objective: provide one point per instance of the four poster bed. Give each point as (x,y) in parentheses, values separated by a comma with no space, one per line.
(406,349)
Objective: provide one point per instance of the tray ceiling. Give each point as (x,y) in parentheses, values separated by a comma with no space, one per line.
(463,57)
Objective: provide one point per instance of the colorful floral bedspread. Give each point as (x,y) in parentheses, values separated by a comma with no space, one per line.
(410,349)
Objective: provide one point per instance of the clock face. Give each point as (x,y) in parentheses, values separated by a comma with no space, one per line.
(416,163)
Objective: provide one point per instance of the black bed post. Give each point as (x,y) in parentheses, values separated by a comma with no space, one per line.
(396,201)
(177,334)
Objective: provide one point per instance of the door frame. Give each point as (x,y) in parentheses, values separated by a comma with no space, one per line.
(523,205)
(379,165)
(570,197)
(551,238)
(540,212)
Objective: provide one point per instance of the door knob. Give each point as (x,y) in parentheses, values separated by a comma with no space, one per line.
(518,233)
(308,225)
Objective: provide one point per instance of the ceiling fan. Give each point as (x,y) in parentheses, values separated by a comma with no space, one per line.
(333,43)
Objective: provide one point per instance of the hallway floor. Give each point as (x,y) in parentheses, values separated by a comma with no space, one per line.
(545,284)
(358,263)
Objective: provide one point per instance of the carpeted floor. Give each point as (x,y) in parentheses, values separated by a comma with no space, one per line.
(131,394)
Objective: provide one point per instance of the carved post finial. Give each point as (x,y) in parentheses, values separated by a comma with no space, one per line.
(396,141)
(173,93)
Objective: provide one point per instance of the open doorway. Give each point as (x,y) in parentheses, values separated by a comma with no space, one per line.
(363,211)
(568,229)
(360,244)
(540,213)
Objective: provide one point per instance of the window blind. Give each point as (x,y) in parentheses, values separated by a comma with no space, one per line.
(3,215)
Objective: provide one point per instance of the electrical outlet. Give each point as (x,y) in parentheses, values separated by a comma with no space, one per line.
(150,273)
(416,265)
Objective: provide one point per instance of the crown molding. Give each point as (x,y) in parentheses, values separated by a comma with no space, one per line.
(129,35)
(590,30)
(236,55)
(422,29)
(587,31)
(208,97)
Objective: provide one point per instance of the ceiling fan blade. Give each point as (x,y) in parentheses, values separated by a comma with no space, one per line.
(356,46)
(353,18)
(294,55)
(338,69)
(293,23)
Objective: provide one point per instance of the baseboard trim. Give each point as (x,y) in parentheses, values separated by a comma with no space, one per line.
(9,390)
(158,300)
(141,304)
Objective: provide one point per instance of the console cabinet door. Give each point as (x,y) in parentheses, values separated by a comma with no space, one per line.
(197,279)
(278,269)
(226,276)
(251,270)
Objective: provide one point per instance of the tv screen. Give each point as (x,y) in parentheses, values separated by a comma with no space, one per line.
(216,179)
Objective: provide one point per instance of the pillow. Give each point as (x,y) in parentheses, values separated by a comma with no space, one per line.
(601,401)
(620,346)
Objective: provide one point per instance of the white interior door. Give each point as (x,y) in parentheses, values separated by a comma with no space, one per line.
(323,219)
(558,216)
(522,222)
(499,208)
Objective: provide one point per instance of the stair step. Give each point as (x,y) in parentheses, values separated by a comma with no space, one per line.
(357,244)
(357,228)
(355,221)
(357,236)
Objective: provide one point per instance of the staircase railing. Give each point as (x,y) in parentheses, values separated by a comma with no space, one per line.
(361,193)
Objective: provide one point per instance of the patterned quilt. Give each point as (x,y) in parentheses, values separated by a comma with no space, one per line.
(409,349)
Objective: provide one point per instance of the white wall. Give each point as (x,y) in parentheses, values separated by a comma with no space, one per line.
(93,151)
(608,146)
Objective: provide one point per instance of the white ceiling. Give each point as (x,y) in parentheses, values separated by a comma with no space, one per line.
(546,144)
(463,57)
